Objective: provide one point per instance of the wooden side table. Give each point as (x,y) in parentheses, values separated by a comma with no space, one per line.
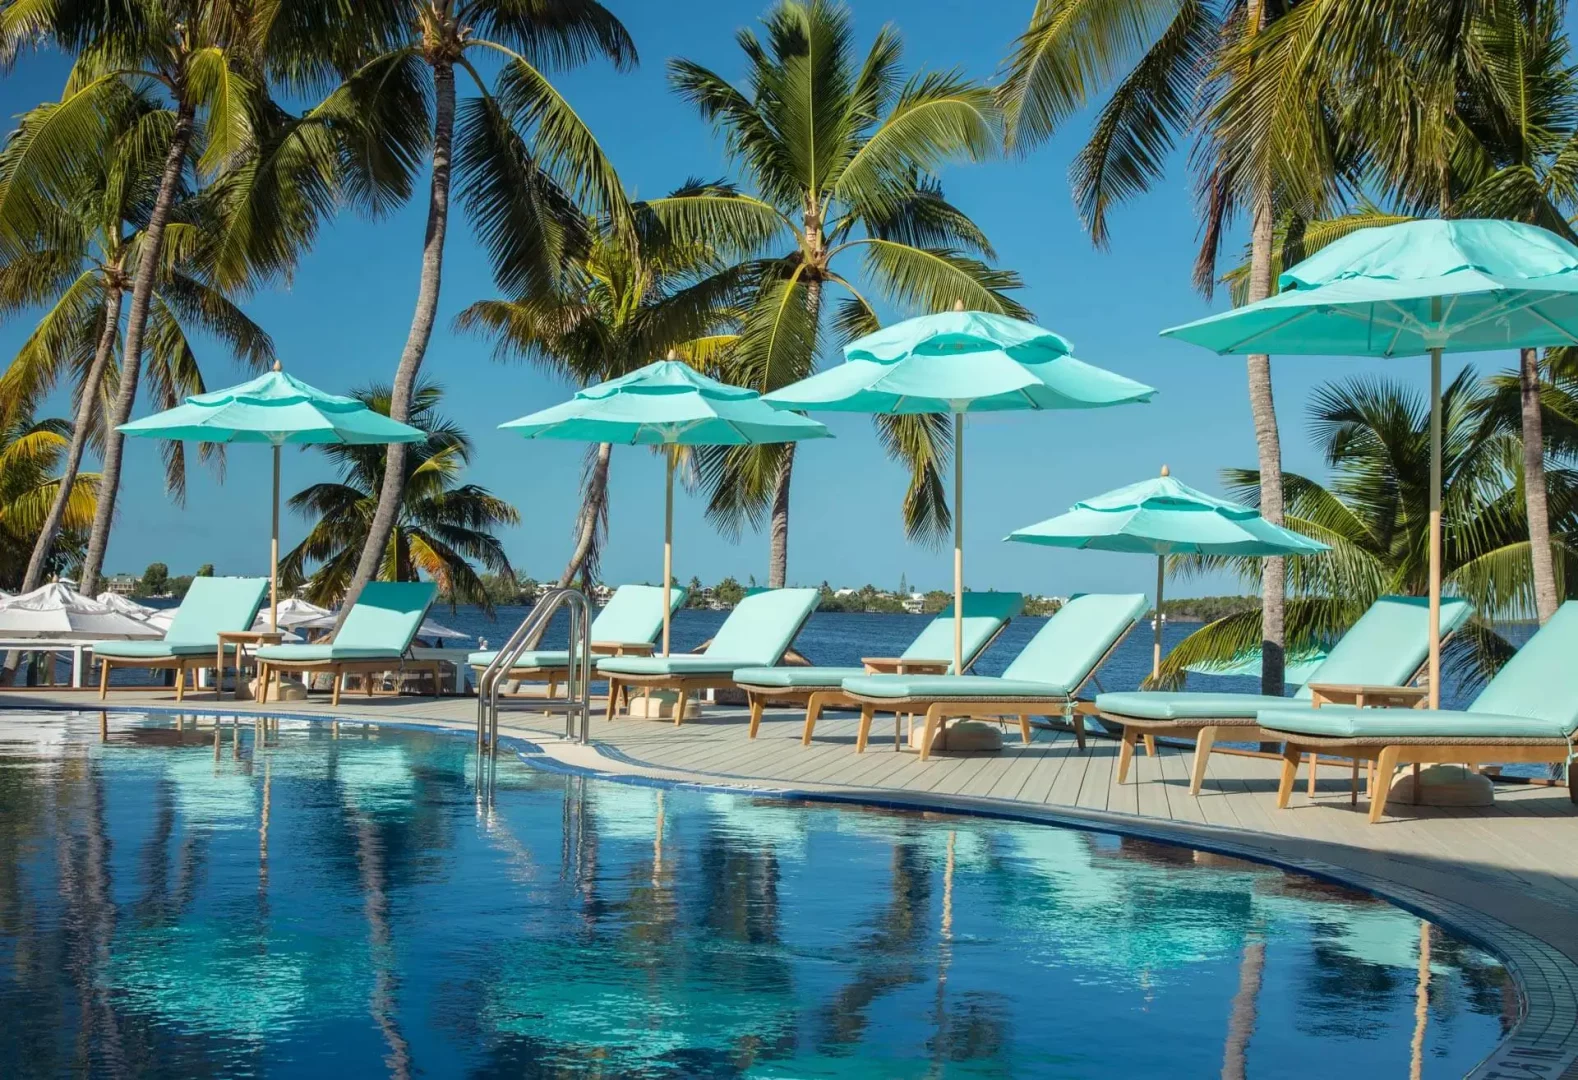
(898,665)
(239,638)
(1364,697)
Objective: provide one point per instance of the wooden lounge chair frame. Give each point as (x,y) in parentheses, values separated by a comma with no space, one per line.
(555,674)
(183,664)
(270,669)
(939,712)
(832,696)
(1389,752)
(1205,731)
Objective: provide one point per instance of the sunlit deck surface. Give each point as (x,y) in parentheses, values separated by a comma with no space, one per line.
(1507,874)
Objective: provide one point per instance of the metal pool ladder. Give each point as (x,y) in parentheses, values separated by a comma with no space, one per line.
(577,701)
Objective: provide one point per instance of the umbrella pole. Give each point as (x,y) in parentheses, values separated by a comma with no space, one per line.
(958,543)
(1156,630)
(668,542)
(1435,520)
(273,555)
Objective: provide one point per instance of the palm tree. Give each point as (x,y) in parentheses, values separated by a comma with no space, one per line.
(30,454)
(79,268)
(443,526)
(1167,63)
(208,60)
(1374,435)
(842,157)
(627,301)
(523,157)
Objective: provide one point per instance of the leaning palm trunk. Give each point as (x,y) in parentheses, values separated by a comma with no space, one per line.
(778,552)
(131,365)
(1268,444)
(416,342)
(594,510)
(45,543)
(1545,595)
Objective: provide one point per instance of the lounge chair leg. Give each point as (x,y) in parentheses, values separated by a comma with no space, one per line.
(1314,768)
(679,706)
(1290,773)
(553,685)
(339,680)
(934,720)
(1150,745)
(813,712)
(1202,755)
(1024,727)
(866,715)
(613,696)
(104,678)
(1353,791)
(1076,720)
(1385,767)
(180,683)
(756,713)
(1125,754)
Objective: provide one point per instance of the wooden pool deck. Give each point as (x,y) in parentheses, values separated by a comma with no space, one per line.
(1507,874)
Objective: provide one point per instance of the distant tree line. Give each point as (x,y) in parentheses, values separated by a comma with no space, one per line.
(1208,608)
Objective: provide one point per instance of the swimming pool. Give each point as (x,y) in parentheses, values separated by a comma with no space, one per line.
(190,900)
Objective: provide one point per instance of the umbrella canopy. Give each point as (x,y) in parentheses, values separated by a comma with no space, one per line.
(1419,287)
(125,605)
(294,611)
(429,628)
(58,611)
(667,403)
(273,408)
(1164,517)
(957,362)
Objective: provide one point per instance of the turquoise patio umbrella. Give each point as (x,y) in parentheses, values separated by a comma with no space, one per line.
(1164,517)
(1406,290)
(668,404)
(957,362)
(276,409)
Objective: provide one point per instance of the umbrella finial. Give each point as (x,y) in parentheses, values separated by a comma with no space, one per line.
(958,305)
(278,366)
(1166,471)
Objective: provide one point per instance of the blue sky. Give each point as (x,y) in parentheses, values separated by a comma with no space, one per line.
(343,319)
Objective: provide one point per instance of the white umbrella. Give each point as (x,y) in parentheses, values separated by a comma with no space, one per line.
(125,605)
(294,611)
(430,629)
(55,611)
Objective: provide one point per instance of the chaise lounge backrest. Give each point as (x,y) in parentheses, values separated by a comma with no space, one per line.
(1388,644)
(386,616)
(216,605)
(984,615)
(1541,679)
(634,614)
(760,629)
(1067,649)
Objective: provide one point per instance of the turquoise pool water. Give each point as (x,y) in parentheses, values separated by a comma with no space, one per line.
(196,901)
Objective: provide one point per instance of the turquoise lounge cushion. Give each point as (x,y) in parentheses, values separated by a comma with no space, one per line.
(1389,723)
(532,658)
(984,615)
(758,631)
(1068,648)
(386,616)
(790,678)
(1541,679)
(215,605)
(1158,705)
(688,664)
(300,654)
(154,650)
(1388,644)
(634,614)
(971,687)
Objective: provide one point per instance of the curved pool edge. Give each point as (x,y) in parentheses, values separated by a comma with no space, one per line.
(1543,1042)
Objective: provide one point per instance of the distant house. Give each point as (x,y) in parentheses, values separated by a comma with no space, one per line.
(121,584)
(915,603)
(601,594)
(841,593)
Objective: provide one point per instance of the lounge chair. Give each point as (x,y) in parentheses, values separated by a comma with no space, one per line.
(985,616)
(211,607)
(1527,713)
(757,633)
(376,636)
(1046,677)
(1388,646)
(626,626)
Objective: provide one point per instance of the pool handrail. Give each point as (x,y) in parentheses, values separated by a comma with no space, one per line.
(578,688)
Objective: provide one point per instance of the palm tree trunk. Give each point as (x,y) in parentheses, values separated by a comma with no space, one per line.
(45,543)
(778,552)
(1273,573)
(131,365)
(1534,494)
(593,506)
(416,341)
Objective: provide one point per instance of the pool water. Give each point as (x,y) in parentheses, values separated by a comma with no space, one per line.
(191,900)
